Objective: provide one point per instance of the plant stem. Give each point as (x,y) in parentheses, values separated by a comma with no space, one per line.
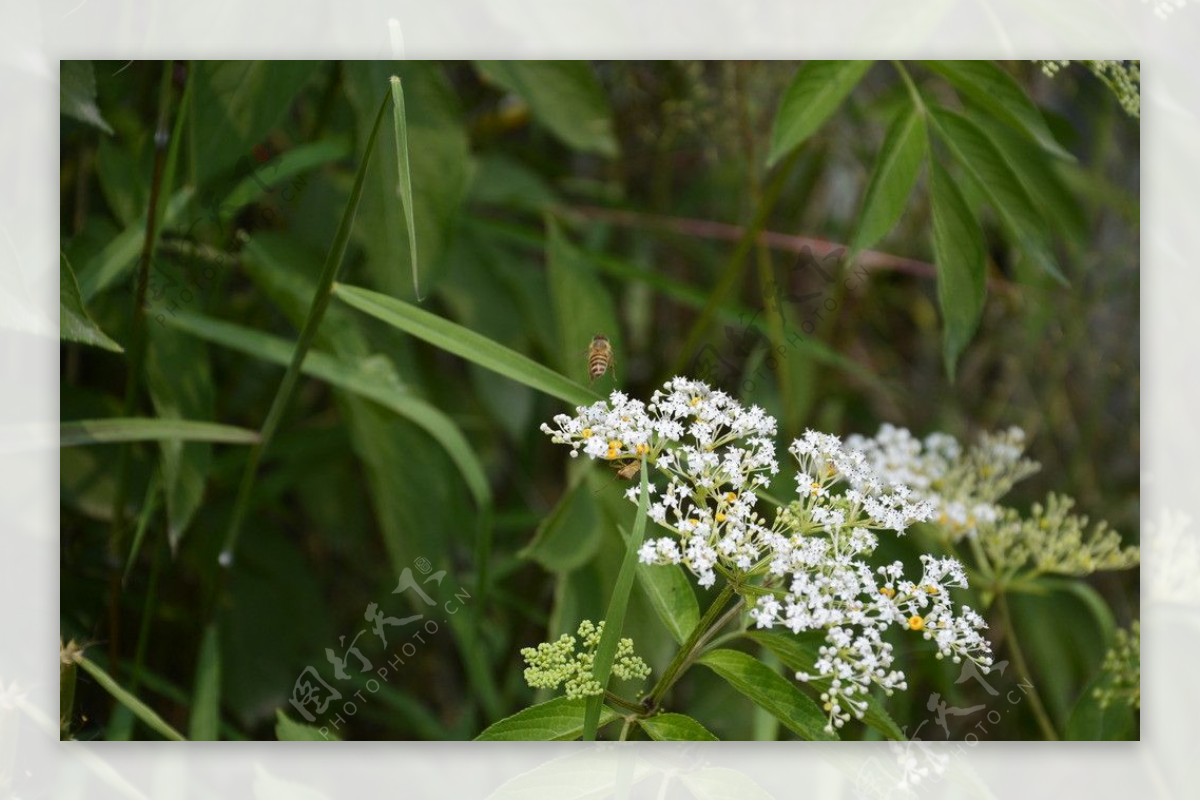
(688,649)
(624,703)
(1039,709)
(137,354)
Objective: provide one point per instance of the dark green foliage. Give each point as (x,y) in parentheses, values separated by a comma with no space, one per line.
(949,246)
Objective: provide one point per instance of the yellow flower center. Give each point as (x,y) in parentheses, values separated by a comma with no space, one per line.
(614,444)
(641,449)
(731,496)
(931,590)
(916,622)
(695,401)
(587,432)
(887,592)
(720,517)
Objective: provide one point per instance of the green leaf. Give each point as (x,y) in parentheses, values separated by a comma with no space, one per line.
(1091,721)
(236,104)
(1000,185)
(813,95)
(291,730)
(77,94)
(74,323)
(1092,600)
(116,259)
(582,305)
(988,85)
(557,719)
(448,336)
(614,619)
(1041,177)
(206,697)
(672,598)
(282,168)
(958,251)
(896,170)
(181,387)
(563,95)
(569,536)
(135,429)
(770,691)
(359,378)
(128,699)
(404,171)
(800,652)
(673,726)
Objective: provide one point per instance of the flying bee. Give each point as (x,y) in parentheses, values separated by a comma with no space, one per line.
(600,358)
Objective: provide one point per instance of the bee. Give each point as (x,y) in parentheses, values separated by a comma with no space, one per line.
(600,358)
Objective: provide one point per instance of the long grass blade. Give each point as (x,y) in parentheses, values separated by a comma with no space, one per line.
(405,177)
(614,619)
(140,429)
(464,342)
(354,379)
(128,699)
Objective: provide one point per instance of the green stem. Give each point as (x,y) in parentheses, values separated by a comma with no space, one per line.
(910,85)
(137,354)
(1039,709)
(624,703)
(687,650)
(316,312)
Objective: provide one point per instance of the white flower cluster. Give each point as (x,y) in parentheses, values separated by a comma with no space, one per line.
(819,545)
(714,452)
(805,569)
(961,485)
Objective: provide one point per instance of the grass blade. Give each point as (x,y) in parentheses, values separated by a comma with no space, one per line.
(128,699)
(353,378)
(463,342)
(320,301)
(149,505)
(405,176)
(289,164)
(111,264)
(204,723)
(138,429)
(614,619)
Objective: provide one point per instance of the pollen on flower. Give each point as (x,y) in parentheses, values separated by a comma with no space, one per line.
(731,496)
(720,517)
(642,449)
(887,592)
(916,622)
(587,432)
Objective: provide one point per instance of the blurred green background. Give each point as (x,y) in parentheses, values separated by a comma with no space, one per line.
(553,200)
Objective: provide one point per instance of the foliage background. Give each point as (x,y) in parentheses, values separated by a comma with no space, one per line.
(540,196)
